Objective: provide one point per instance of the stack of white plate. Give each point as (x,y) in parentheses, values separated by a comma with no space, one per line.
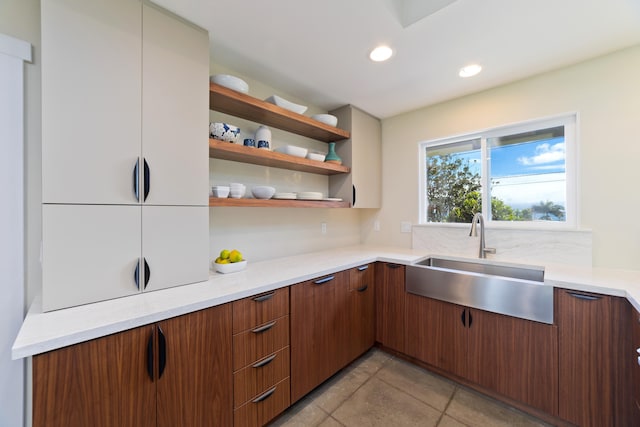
(285,196)
(310,195)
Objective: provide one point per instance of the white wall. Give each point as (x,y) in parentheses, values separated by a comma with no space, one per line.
(606,94)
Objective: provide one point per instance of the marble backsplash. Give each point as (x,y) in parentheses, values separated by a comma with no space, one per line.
(520,246)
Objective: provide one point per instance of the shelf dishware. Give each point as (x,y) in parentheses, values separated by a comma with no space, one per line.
(230,82)
(327,119)
(287,105)
(224,132)
(292,150)
(263,192)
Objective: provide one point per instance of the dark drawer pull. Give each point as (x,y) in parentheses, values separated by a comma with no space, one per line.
(264,328)
(325,280)
(264,362)
(394,265)
(264,395)
(264,297)
(363,267)
(362,289)
(584,297)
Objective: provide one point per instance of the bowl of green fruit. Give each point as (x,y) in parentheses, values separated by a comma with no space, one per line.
(229,261)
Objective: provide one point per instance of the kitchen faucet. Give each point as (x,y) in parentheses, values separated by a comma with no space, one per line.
(482,253)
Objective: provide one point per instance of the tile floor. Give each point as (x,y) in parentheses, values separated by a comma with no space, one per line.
(381,390)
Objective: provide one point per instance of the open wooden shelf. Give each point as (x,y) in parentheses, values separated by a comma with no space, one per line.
(240,153)
(275,203)
(247,107)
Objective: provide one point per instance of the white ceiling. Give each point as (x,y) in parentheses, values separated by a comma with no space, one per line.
(318,50)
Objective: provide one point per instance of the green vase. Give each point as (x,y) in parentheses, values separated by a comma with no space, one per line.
(332,157)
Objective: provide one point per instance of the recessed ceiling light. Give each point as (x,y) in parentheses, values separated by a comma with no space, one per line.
(381,53)
(470,70)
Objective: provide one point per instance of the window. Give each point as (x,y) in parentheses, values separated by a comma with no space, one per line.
(520,175)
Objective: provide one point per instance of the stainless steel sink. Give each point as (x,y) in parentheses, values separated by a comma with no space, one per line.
(502,288)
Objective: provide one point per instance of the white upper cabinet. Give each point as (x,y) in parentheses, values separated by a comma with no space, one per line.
(362,152)
(125,166)
(175,109)
(91,85)
(123,84)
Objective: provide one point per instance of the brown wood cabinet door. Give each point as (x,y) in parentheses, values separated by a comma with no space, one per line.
(390,305)
(319,331)
(362,310)
(436,334)
(514,357)
(587,341)
(196,387)
(103,382)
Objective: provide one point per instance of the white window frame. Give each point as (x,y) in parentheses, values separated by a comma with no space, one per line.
(570,123)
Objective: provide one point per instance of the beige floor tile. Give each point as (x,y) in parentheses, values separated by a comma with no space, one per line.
(447,421)
(372,361)
(376,404)
(330,422)
(474,410)
(417,382)
(335,391)
(302,414)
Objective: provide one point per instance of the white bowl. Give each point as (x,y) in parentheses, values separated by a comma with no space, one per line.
(221,191)
(327,119)
(224,132)
(232,267)
(231,82)
(236,193)
(287,105)
(292,150)
(316,156)
(263,192)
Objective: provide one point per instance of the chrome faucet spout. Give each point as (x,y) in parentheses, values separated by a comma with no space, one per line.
(478,219)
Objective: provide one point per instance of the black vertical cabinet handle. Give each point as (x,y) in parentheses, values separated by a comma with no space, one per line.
(470,318)
(463,318)
(136,274)
(354,195)
(150,356)
(162,350)
(147,273)
(147,179)
(136,183)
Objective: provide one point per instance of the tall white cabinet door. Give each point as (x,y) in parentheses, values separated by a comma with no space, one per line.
(175,109)
(89,253)
(363,154)
(91,86)
(175,245)
(366,154)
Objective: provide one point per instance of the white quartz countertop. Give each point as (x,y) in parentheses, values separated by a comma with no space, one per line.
(43,332)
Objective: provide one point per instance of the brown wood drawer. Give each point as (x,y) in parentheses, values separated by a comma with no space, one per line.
(260,376)
(259,309)
(259,342)
(361,276)
(264,407)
